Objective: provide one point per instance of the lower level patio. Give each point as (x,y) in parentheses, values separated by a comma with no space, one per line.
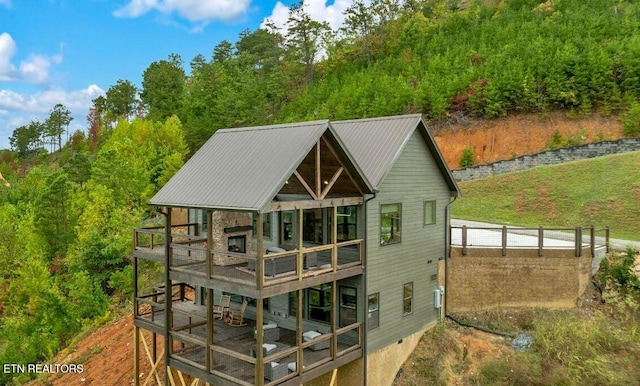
(232,350)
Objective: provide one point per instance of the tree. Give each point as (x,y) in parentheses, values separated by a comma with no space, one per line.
(51,213)
(121,101)
(304,37)
(26,140)
(59,120)
(162,88)
(359,23)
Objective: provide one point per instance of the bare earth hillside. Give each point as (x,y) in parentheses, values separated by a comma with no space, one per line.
(107,353)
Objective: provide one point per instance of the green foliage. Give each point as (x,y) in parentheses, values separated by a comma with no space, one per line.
(162,88)
(620,271)
(466,159)
(631,124)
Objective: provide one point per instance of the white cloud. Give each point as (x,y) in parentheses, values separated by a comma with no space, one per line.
(17,109)
(34,70)
(191,10)
(317,9)
(7,50)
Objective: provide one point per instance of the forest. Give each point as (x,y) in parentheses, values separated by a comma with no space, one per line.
(69,202)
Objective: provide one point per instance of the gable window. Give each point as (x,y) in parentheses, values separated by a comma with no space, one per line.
(390,223)
(373,315)
(346,223)
(407,297)
(429,212)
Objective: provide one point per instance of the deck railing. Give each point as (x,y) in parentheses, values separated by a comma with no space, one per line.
(530,238)
(189,253)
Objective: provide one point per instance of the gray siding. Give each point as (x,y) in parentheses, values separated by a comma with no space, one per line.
(414,178)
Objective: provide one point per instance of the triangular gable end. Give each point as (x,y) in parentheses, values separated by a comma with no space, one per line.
(327,176)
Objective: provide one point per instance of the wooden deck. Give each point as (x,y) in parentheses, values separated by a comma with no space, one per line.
(232,345)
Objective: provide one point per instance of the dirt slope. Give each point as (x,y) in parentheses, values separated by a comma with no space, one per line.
(107,354)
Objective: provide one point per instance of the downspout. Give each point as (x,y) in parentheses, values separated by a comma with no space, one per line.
(447,254)
(366,293)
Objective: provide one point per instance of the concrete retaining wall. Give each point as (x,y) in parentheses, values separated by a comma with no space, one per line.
(549,157)
(484,279)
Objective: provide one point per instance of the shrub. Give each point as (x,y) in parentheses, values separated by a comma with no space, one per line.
(631,124)
(466,159)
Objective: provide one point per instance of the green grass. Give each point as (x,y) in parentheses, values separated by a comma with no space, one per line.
(603,192)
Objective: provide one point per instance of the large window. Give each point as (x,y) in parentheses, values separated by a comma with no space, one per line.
(390,223)
(429,212)
(319,303)
(348,306)
(346,223)
(373,315)
(407,303)
(266,225)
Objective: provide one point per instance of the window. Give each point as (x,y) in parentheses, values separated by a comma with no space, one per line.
(390,223)
(346,223)
(429,212)
(348,306)
(287,227)
(319,303)
(373,315)
(266,225)
(407,304)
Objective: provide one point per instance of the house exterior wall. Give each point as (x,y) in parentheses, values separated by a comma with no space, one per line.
(414,179)
(484,279)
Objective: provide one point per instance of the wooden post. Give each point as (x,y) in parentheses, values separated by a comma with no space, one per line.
(592,240)
(578,242)
(318,174)
(136,356)
(334,320)
(464,240)
(300,246)
(167,292)
(334,238)
(209,244)
(260,254)
(299,331)
(540,241)
(207,356)
(504,241)
(259,341)
(606,236)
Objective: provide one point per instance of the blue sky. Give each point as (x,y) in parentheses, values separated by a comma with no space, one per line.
(71,51)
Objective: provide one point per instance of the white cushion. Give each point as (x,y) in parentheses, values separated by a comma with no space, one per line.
(275,250)
(270,326)
(310,335)
(292,366)
(269,346)
(274,364)
(325,266)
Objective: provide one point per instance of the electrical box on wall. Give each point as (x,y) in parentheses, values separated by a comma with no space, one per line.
(437,297)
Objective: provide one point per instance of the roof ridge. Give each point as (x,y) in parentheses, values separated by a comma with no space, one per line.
(271,127)
(404,116)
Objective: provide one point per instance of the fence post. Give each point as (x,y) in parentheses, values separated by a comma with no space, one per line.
(504,240)
(592,240)
(540,240)
(606,236)
(579,242)
(464,240)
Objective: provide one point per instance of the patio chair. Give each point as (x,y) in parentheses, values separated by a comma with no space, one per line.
(221,310)
(235,317)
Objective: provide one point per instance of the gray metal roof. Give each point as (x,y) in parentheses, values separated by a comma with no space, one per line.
(244,169)
(376,143)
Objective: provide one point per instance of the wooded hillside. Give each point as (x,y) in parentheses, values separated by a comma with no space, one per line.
(67,209)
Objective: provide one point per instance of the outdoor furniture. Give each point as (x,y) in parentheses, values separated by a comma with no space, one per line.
(221,310)
(270,332)
(311,335)
(284,264)
(235,316)
(268,349)
(275,370)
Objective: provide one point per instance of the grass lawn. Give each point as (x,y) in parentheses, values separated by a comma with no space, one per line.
(603,192)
